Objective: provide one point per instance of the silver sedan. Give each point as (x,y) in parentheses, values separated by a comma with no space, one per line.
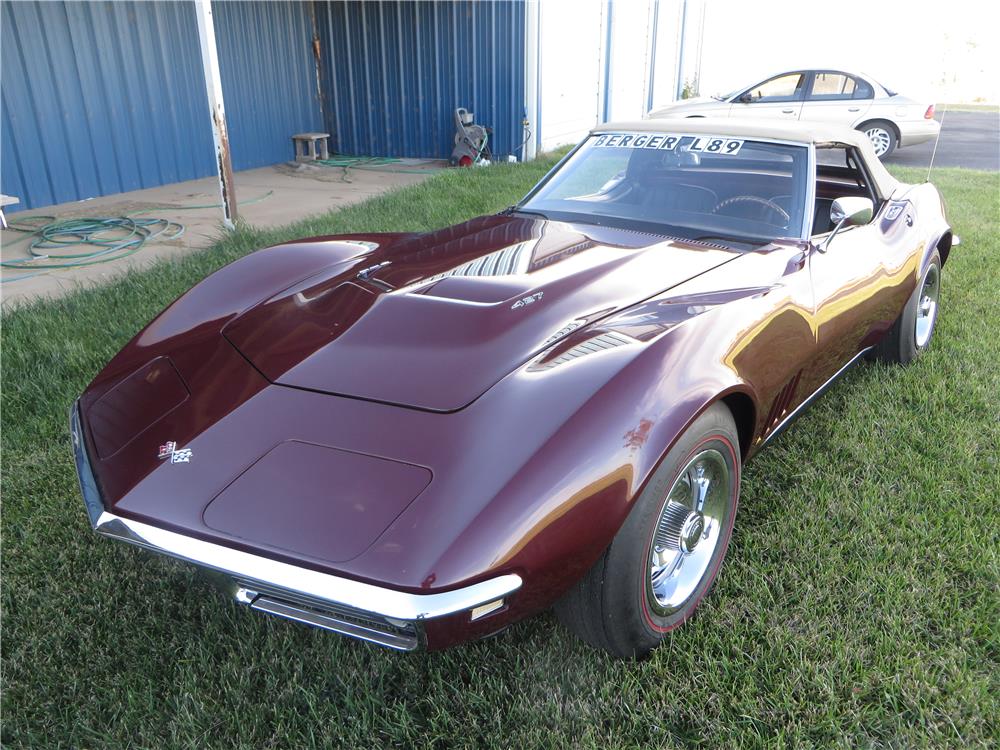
(889,119)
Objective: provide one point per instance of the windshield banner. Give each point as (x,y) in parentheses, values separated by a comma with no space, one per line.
(664,142)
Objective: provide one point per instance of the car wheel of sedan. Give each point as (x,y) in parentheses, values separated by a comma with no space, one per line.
(667,554)
(912,332)
(882,136)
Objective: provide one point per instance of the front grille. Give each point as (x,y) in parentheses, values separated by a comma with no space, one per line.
(355,623)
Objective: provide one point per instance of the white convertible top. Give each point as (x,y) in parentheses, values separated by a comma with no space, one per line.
(818,133)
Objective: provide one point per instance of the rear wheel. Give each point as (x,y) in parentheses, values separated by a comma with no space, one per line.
(911,334)
(665,558)
(882,136)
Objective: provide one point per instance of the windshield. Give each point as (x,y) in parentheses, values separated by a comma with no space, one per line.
(695,187)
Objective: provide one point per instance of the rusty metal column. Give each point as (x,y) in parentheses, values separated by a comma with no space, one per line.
(213,87)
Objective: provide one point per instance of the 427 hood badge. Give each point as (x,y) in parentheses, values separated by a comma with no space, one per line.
(175,454)
(530,299)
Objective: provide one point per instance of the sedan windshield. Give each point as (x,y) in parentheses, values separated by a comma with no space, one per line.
(697,187)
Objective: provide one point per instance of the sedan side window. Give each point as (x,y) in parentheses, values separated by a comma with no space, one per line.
(863,90)
(784,88)
(830,86)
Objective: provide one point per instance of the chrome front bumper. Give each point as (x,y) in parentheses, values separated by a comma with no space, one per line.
(359,610)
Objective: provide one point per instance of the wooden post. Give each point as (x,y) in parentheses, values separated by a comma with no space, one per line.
(217,110)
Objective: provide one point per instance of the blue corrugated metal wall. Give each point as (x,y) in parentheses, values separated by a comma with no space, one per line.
(395,71)
(268,78)
(90,99)
(104,97)
(100,98)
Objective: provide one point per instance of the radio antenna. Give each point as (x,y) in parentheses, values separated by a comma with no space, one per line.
(934,152)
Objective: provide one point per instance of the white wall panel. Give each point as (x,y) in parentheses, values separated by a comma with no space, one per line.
(571,36)
(573,48)
(630,30)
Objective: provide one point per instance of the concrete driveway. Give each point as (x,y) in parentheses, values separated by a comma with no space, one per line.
(968,139)
(277,195)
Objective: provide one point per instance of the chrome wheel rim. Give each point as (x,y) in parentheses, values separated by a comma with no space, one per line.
(879,138)
(688,531)
(927,308)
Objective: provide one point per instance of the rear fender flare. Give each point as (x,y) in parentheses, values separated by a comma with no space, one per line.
(942,243)
(932,223)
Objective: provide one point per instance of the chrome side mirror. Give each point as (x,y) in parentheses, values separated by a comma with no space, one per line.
(850,211)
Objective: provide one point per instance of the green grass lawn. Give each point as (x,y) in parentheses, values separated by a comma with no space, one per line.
(859,605)
(969,107)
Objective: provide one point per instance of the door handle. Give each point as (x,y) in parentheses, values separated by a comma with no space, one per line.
(787,111)
(854,109)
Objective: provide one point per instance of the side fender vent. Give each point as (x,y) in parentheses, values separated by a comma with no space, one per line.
(782,403)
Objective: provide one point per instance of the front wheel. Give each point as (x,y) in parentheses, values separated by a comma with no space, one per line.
(665,558)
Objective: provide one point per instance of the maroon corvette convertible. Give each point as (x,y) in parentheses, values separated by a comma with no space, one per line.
(418,439)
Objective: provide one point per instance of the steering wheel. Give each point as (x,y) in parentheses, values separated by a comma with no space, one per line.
(771,205)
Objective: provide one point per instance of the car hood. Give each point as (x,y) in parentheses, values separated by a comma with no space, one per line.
(433,321)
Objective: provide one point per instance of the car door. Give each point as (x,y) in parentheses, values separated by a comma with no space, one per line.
(776,98)
(837,97)
(860,280)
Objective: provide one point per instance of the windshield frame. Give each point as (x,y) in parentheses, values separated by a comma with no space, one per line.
(807,217)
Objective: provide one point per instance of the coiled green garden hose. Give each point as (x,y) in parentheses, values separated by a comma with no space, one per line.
(86,241)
